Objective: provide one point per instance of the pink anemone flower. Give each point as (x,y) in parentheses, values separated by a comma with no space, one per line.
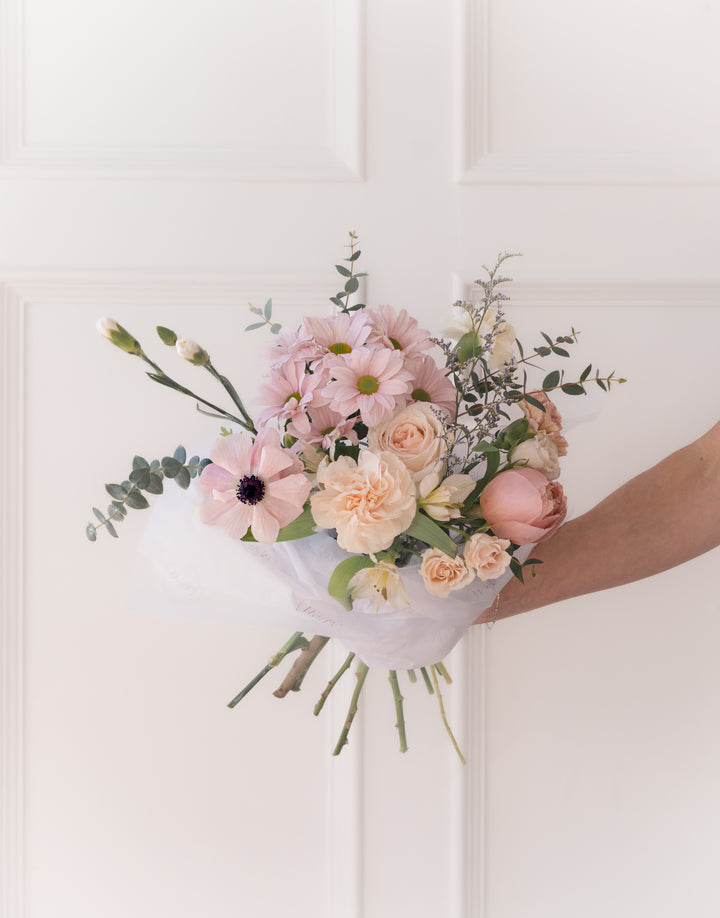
(257,486)
(375,383)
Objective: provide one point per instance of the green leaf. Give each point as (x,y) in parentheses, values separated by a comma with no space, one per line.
(167,335)
(351,285)
(573,389)
(171,466)
(137,501)
(253,326)
(547,338)
(533,401)
(551,380)
(560,351)
(98,514)
(514,433)
(180,455)
(115,490)
(426,530)
(204,462)
(343,574)
(111,529)
(485,447)
(154,485)
(343,271)
(140,477)
(91,532)
(140,463)
(182,479)
(268,309)
(586,372)
(493,464)
(354,256)
(601,384)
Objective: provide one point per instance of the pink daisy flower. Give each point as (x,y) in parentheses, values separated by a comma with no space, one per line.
(397,330)
(429,383)
(326,427)
(340,334)
(257,486)
(292,346)
(289,393)
(374,383)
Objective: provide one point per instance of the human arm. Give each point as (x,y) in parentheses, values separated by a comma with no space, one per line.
(657,520)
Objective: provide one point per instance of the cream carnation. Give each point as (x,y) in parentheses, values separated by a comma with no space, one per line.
(539,453)
(413,434)
(486,555)
(368,502)
(443,574)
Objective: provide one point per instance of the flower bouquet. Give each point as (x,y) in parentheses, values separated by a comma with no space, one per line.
(389,486)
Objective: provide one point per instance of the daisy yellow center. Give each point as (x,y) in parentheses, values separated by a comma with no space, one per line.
(420,395)
(367,385)
(250,490)
(340,348)
(396,344)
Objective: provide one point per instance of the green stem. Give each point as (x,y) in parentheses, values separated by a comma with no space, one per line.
(392,676)
(296,642)
(440,667)
(425,676)
(231,391)
(332,683)
(444,718)
(360,673)
(412,675)
(294,679)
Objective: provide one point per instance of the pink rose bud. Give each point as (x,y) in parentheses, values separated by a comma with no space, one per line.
(523,506)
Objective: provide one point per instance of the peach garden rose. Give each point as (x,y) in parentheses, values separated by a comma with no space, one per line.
(413,434)
(487,555)
(442,574)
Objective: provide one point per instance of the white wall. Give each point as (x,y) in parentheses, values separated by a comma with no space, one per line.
(167,163)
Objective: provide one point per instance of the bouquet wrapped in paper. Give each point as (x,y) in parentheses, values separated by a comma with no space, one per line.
(390,485)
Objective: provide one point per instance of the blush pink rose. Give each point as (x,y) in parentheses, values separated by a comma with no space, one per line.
(523,506)
(548,421)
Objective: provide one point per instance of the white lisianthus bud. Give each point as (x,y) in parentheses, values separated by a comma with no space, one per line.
(192,352)
(118,336)
(378,585)
(539,453)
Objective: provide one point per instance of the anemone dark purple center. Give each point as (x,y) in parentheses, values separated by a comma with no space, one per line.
(250,490)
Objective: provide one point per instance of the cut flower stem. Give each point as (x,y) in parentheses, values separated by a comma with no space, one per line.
(333,682)
(361,672)
(296,642)
(392,676)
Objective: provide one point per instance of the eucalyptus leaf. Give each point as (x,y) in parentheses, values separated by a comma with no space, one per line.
(98,513)
(268,309)
(137,501)
(426,530)
(551,380)
(140,477)
(155,484)
(91,532)
(560,351)
(115,490)
(354,256)
(154,465)
(253,326)
(352,285)
(171,466)
(111,529)
(343,271)
(204,462)
(140,463)
(573,389)
(182,479)
(180,455)
(586,372)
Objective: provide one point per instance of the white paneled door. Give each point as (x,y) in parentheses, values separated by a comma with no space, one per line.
(167,163)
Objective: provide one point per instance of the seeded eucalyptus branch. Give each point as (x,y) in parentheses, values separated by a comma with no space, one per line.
(145,476)
(342,299)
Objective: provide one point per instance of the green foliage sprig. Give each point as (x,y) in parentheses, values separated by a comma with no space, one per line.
(266,316)
(145,476)
(352,283)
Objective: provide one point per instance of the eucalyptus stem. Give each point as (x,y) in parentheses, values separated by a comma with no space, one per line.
(361,672)
(392,677)
(333,682)
(296,642)
(444,718)
(425,676)
(299,669)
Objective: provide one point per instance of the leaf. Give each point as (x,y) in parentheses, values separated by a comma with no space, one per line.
(111,529)
(91,532)
(154,485)
(573,389)
(140,477)
(115,490)
(516,568)
(253,326)
(586,372)
(493,464)
(601,384)
(426,530)
(300,528)
(352,285)
(137,501)
(343,271)
(551,380)
(180,455)
(354,256)
(547,338)
(140,463)
(533,401)
(98,514)
(268,309)
(485,447)
(171,466)
(182,479)
(560,351)
(204,462)
(514,433)
(343,574)
(167,335)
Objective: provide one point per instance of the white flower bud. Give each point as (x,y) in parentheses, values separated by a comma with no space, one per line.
(192,352)
(118,336)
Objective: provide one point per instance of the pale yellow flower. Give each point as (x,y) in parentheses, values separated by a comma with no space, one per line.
(378,585)
(442,500)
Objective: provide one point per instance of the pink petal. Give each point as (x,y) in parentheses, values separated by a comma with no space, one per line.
(236,521)
(271,462)
(265,527)
(216,478)
(233,453)
(294,489)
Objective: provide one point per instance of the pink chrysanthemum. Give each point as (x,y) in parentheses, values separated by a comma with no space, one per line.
(257,486)
(326,427)
(290,392)
(397,330)
(374,383)
(294,347)
(340,334)
(429,383)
